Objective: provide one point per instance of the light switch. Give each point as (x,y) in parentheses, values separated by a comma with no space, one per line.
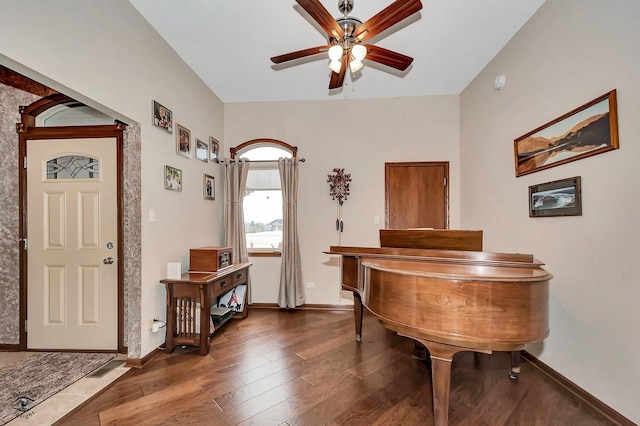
(376,219)
(152,215)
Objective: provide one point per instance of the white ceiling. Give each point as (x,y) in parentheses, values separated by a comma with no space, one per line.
(228,43)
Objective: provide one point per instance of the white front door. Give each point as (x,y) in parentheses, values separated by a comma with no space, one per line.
(72,275)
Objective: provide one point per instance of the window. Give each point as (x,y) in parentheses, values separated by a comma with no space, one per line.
(73,167)
(263,197)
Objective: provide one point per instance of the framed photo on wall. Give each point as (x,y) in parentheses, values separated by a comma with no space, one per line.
(162,117)
(587,130)
(558,198)
(202,151)
(209,187)
(183,141)
(214,146)
(172,178)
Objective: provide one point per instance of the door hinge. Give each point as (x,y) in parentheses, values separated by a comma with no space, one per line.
(445,181)
(24,163)
(26,325)
(25,242)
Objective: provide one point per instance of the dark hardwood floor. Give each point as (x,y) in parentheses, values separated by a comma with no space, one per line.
(304,368)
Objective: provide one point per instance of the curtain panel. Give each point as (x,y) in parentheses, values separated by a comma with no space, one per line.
(291,292)
(236,172)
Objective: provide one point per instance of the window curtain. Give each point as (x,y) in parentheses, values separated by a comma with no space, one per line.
(236,172)
(291,292)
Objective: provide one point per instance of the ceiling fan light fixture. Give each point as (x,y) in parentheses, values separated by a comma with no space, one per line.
(355,66)
(335,52)
(358,52)
(335,66)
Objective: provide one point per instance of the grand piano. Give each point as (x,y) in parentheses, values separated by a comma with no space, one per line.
(439,288)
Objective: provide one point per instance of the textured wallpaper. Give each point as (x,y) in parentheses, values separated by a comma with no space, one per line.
(132,240)
(10,100)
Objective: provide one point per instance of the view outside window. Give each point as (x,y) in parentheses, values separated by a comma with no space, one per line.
(263,199)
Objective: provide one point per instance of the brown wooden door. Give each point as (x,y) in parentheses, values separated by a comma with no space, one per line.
(417,195)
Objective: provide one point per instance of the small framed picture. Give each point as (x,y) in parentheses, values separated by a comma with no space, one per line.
(214,146)
(162,117)
(183,141)
(209,187)
(557,198)
(172,178)
(202,151)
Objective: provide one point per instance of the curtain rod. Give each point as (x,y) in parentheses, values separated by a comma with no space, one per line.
(302,160)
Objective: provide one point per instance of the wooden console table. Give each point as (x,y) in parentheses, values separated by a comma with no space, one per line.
(185,292)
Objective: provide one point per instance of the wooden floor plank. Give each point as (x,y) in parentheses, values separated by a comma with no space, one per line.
(302,401)
(379,361)
(415,409)
(220,387)
(323,347)
(271,368)
(258,404)
(238,366)
(144,409)
(255,389)
(339,402)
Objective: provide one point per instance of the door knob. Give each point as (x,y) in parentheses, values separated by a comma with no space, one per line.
(108,260)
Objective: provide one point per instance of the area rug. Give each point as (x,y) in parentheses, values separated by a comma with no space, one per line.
(28,382)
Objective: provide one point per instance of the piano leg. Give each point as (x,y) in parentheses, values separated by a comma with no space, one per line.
(441,379)
(358,313)
(515,365)
(441,358)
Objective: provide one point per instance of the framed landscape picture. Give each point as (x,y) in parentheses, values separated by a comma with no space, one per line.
(162,117)
(172,178)
(587,130)
(183,141)
(557,198)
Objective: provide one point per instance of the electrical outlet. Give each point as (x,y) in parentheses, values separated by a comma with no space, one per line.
(310,285)
(151,320)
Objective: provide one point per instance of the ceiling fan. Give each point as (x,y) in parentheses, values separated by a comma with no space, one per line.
(347,34)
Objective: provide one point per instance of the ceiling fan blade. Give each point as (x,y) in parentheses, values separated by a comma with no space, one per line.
(337,78)
(388,57)
(386,18)
(300,54)
(322,17)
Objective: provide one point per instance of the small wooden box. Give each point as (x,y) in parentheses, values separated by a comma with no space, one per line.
(210,259)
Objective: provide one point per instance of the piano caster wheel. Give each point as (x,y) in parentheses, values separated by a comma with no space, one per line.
(513,374)
(358,339)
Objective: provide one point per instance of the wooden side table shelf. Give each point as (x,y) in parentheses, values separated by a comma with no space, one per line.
(183,295)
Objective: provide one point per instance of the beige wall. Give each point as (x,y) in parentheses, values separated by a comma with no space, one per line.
(359,136)
(105,54)
(567,54)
